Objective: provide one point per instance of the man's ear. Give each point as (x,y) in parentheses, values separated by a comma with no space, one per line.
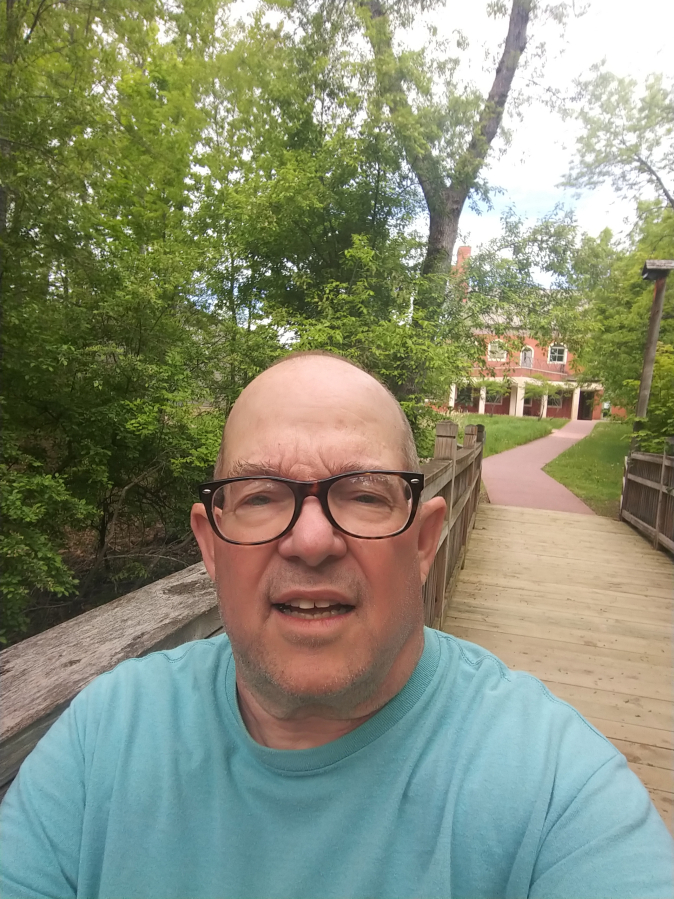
(203,531)
(431,518)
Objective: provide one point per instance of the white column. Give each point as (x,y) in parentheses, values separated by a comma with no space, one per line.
(574,404)
(483,400)
(452,396)
(513,400)
(519,408)
(544,406)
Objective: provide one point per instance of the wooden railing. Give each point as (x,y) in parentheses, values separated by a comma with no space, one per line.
(41,675)
(454,473)
(647,500)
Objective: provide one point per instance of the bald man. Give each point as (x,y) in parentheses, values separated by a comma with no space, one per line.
(329,745)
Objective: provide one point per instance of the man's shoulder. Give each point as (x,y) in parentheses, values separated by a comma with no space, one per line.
(185,668)
(481,686)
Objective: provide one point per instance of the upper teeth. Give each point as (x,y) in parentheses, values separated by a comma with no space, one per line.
(310,603)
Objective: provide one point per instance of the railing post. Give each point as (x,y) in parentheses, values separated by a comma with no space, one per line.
(470,435)
(446,433)
(667,451)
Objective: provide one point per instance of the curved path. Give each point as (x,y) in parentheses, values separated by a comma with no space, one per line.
(515,478)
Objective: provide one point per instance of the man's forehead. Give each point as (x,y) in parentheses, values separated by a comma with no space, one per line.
(315,398)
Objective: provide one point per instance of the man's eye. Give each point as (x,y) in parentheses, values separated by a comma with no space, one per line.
(368,498)
(260,499)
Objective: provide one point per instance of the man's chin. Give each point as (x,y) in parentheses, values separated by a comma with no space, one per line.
(330,689)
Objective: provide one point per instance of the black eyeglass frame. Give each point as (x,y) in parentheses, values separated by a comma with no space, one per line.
(302,489)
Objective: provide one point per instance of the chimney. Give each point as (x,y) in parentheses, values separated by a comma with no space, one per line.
(462,254)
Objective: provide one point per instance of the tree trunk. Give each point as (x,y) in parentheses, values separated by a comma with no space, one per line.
(445,199)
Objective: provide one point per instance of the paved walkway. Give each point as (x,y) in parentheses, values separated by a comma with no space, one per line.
(585,604)
(514,478)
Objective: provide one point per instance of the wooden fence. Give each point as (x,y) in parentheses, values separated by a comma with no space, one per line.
(647,500)
(41,675)
(454,473)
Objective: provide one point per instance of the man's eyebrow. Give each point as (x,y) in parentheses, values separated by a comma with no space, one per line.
(242,469)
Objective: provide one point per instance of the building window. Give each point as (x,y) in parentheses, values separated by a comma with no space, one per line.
(557,353)
(527,400)
(527,357)
(496,351)
(555,402)
(464,396)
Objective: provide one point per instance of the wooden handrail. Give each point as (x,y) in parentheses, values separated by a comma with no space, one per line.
(647,498)
(41,675)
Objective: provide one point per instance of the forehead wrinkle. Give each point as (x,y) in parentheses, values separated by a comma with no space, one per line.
(242,468)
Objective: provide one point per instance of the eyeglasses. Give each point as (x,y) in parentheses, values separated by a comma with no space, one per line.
(370,505)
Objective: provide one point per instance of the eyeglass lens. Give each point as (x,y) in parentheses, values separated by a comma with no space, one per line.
(367,505)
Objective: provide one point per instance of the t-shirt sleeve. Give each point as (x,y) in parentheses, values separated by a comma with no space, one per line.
(609,841)
(41,818)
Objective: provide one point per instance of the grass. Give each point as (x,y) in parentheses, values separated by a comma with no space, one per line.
(593,467)
(503,432)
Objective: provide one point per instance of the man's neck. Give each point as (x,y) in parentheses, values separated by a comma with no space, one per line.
(307,728)
(292,733)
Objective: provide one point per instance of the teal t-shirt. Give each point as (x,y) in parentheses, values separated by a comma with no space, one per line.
(474,781)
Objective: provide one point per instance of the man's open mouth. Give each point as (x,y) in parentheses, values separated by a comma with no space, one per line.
(314,609)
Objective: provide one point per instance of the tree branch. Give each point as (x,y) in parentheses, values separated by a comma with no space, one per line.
(651,171)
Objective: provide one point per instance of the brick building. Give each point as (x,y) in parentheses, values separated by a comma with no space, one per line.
(532,364)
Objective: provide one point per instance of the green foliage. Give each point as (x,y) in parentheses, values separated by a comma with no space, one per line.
(593,467)
(524,283)
(659,423)
(628,136)
(619,303)
(503,432)
(540,386)
(180,202)
(37,511)
(400,346)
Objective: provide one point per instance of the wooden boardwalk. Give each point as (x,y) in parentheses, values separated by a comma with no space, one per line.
(585,604)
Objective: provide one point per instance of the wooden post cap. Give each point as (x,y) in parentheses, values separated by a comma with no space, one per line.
(446,428)
(470,433)
(446,433)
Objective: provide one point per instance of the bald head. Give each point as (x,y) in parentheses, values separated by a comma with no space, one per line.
(313,410)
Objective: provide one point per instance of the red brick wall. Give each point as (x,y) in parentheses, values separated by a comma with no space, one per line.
(563,412)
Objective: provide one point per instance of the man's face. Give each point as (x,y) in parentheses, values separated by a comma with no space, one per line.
(309,419)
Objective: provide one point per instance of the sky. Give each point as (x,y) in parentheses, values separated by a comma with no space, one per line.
(632,38)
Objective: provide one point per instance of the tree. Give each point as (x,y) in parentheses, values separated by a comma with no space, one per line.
(466,127)
(617,313)
(103,339)
(627,136)
(524,282)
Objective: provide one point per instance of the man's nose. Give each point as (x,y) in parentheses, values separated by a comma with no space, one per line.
(313,539)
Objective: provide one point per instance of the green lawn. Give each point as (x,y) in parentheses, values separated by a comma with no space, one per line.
(503,432)
(593,467)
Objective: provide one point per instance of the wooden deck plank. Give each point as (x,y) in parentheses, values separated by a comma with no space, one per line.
(633,733)
(566,548)
(548,571)
(548,576)
(643,754)
(655,651)
(585,604)
(571,601)
(586,630)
